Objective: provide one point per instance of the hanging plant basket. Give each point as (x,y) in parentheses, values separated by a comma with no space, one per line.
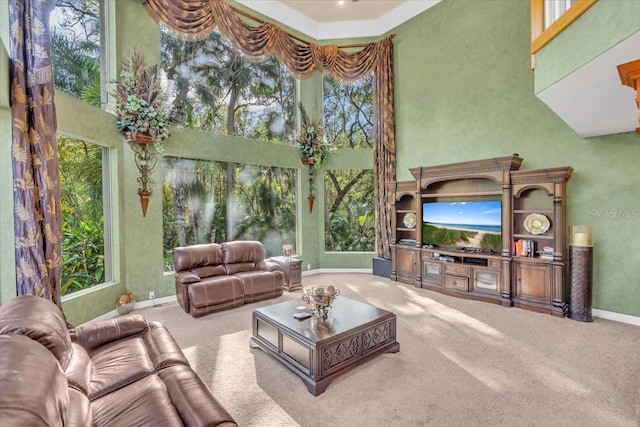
(307,160)
(138,138)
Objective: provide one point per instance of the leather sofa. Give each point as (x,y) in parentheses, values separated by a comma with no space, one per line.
(212,277)
(124,371)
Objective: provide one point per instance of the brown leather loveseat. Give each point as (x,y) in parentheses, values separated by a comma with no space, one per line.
(118,372)
(212,277)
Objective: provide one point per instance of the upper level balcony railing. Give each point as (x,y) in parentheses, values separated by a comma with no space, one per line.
(550,17)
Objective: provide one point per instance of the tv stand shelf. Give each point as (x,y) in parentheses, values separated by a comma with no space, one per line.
(468,268)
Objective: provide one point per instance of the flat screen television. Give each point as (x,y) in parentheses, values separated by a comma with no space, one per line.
(475,224)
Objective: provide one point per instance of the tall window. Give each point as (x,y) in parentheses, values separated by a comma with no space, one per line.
(196,204)
(76,48)
(348,112)
(349,194)
(216,88)
(86,260)
(350,211)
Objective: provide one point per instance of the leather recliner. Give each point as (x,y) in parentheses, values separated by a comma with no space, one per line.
(124,371)
(213,277)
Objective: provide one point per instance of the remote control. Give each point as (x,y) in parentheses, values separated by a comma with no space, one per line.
(302,315)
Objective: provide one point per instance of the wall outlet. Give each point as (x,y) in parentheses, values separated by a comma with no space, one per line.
(152,294)
(308,266)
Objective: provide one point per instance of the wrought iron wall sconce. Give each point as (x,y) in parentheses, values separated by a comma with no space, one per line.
(146,159)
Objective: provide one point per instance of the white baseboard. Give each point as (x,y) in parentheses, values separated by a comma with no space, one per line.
(618,317)
(138,305)
(337,270)
(603,314)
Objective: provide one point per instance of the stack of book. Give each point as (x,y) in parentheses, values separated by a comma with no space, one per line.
(524,247)
(546,252)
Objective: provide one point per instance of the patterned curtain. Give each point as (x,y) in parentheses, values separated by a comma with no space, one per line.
(195,19)
(36,185)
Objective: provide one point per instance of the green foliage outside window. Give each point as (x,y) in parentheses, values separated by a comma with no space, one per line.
(216,88)
(195,198)
(75,49)
(349,194)
(350,211)
(83,254)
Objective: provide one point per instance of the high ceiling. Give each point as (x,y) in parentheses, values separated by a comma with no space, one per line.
(335,19)
(606,107)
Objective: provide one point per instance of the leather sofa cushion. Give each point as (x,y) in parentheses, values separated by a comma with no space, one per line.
(40,320)
(196,409)
(162,348)
(118,364)
(186,277)
(34,389)
(79,409)
(190,257)
(209,271)
(78,372)
(240,267)
(97,334)
(241,251)
(258,282)
(215,290)
(146,402)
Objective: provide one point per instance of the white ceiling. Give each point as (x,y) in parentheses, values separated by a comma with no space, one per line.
(591,100)
(332,19)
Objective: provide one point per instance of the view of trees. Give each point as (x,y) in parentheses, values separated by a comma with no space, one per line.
(215,88)
(75,48)
(83,254)
(195,204)
(75,52)
(349,194)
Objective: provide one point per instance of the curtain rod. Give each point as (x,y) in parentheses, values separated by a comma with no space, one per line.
(261,21)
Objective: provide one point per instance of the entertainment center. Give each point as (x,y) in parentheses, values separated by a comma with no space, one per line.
(485,230)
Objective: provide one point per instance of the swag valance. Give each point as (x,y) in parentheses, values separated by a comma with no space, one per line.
(195,19)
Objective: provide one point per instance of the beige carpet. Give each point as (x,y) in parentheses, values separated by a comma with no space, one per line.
(461,363)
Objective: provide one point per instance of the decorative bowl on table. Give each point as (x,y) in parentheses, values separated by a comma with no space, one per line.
(320,298)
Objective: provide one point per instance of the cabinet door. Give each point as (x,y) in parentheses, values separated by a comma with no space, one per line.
(486,280)
(533,282)
(432,272)
(406,264)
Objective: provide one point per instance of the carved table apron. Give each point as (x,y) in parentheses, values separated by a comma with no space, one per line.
(320,349)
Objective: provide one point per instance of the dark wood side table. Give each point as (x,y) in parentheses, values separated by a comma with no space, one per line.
(292,268)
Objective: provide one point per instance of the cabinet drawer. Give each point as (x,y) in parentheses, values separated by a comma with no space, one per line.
(460,283)
(462,270)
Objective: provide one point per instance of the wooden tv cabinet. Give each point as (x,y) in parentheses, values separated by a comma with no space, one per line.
(535,282)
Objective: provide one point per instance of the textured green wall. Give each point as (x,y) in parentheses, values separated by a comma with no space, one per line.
(585,39)
(465,90)
(138,240)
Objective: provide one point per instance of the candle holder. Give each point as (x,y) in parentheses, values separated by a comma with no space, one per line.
(286,251)
(581,272)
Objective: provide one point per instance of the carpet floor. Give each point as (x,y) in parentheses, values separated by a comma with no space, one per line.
(461,363)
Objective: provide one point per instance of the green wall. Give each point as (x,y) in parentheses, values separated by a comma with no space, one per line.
(137,239)
(465,91)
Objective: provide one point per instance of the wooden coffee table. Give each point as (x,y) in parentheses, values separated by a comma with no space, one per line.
(320,349)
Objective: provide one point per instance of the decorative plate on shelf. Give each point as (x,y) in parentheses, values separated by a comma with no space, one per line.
(536,223)
(409,220)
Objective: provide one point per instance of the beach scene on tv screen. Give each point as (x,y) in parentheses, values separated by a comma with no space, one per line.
(463,224)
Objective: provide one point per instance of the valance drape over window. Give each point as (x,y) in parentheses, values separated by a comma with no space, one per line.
(195,19)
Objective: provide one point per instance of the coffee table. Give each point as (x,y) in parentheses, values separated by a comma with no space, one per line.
(320,349)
